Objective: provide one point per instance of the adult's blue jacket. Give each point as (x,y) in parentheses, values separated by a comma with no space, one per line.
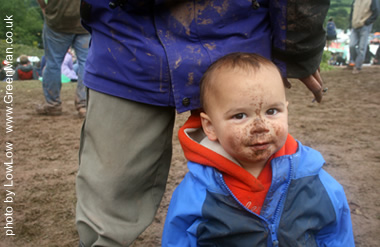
(304,206)
(156,51)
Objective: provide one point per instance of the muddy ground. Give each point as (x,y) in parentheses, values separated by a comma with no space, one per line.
(344,128)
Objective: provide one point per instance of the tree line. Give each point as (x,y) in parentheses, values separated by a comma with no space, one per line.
(27,21)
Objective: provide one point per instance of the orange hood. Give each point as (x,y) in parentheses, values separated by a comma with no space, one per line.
(249,190)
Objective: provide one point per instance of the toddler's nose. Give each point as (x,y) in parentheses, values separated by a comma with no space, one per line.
(259,125)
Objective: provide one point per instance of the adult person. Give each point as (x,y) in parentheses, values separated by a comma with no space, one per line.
(363,15)
(2,71)
(145,61)
(62,29)
(67,67)
(331,31)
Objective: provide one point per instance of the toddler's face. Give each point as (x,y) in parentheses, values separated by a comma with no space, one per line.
(248,114)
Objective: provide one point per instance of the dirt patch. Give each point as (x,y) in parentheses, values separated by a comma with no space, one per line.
(344,128)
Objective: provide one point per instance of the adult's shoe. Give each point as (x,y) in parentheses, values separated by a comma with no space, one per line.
(82,112)
(355,71)
(48,109)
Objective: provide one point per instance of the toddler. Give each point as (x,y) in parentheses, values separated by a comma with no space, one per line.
(250,183)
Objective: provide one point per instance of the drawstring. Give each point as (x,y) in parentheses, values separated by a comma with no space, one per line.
(255,4)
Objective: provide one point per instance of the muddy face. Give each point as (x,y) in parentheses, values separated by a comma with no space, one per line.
(248,111)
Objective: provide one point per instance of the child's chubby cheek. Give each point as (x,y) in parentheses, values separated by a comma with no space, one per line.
(236,137)
(280,130)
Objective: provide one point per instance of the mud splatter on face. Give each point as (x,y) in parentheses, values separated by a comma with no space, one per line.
(248,114)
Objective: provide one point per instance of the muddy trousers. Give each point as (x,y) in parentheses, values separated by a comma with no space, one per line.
(124,161)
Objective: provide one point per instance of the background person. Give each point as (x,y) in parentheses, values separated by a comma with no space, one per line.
(363,15)
(331,31)
(68,67)
(62,29)
(25,71)
(3,73)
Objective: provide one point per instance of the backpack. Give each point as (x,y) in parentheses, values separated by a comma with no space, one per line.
(331,32)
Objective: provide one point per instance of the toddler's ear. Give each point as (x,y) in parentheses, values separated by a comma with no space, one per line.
(207,126)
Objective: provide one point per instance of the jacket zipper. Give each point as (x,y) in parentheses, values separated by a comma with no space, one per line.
(280,205)
(272,227)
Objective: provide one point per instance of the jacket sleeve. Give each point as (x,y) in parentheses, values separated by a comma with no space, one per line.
(298,35)
(375,8)
(338,233)
(184,214)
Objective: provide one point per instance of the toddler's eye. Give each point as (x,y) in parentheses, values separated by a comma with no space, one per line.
(272,111)
(239,116)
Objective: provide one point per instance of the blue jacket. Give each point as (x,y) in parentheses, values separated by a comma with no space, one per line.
(304,206)
(156,51)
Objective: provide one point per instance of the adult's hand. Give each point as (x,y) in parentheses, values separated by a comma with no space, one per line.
(314,83)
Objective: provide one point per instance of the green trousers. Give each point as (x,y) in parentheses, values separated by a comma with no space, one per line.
(124,161)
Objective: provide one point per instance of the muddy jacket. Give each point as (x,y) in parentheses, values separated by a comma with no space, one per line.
(304,206)
(156,51)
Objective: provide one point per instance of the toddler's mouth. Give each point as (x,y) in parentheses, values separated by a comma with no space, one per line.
(260,146)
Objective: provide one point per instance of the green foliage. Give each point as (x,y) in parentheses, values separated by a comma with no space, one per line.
(19,49)
(26,24)
(340,11)
(341,17)
(325,61)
